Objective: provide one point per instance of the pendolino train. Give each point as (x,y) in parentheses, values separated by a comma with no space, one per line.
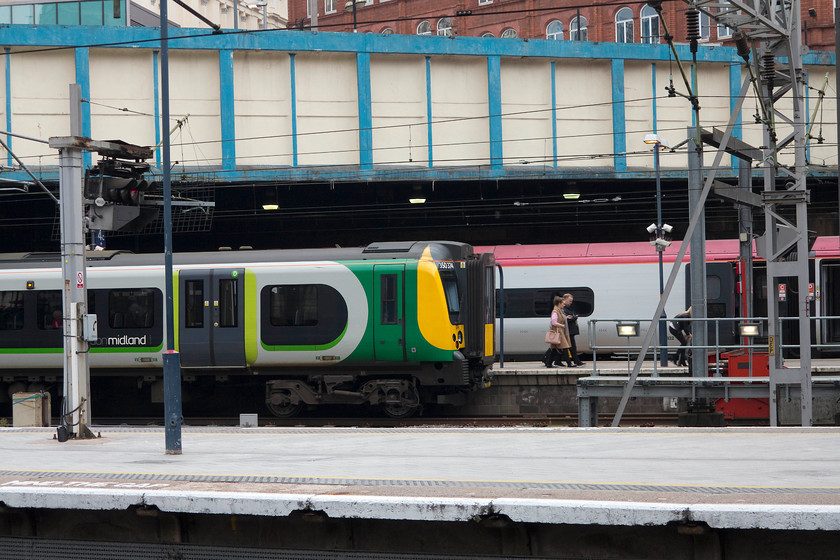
(394,325)
(621,281)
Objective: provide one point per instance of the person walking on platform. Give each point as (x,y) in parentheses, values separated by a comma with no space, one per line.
(572,329)
(680,327)
(557,337)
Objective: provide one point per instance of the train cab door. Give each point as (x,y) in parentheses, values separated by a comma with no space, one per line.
(389,312)
(211,313)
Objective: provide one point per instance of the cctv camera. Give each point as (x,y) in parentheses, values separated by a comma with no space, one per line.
(667,228)
(651,228)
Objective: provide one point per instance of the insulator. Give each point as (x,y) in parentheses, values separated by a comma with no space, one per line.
(768,68)
(692,24)
(742,45)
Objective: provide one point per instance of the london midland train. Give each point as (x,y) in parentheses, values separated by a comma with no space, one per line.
(392,325)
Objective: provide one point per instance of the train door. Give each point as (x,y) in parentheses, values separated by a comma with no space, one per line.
(389,312)
(720,301)
(211,314)
(830,302)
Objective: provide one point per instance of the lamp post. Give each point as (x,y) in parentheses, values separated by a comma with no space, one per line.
(264,5)
(350,6)
(658,232)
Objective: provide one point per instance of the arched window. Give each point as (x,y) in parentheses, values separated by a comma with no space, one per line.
(424,28)
(509,33)
(624,26)
(577,29)
(488,34)
(650,25)
(444,27)
(387,31)
(554,31)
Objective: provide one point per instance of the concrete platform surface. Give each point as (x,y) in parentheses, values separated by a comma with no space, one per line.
(774,478)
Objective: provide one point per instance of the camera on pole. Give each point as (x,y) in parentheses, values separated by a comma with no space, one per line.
(660,237)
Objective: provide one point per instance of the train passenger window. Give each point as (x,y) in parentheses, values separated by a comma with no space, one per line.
(131,309)
(295,305)
(522,303)
(389,300)
(49,310)
(228,303)
(194,304)
(11,311)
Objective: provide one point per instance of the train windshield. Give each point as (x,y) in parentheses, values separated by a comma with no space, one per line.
(452,293)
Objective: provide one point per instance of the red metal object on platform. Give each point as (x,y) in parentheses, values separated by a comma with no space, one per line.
(742,363)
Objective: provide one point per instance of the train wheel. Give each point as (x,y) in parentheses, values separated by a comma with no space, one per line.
(402,403)
(281,405)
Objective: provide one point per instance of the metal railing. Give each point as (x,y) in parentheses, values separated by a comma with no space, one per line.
(726,328)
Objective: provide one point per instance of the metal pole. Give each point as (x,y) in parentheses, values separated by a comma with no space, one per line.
(354,16)
(173,417)
(75,411)
(663,335)
(837,98)
(265,15)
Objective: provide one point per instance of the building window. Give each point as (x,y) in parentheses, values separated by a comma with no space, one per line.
(387,31)
(509,33)
(488,34)
(554,31)
(624,26)
(68,13)
(444,27)
(329,6)
(705,26)
(424,28)
(724,32)
(45,14)
(577,29)
(23,14)
(484,2)
(650,25)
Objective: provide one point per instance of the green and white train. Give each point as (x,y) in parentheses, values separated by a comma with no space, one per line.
(395,325)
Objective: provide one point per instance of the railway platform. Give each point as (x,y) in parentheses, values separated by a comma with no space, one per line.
(528,387)
(677,493)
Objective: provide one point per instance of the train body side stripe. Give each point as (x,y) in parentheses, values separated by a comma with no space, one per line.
(251,318)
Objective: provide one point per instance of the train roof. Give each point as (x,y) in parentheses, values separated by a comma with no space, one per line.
(626,252)
(375,251)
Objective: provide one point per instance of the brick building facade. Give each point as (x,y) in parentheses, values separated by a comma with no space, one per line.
(600,20)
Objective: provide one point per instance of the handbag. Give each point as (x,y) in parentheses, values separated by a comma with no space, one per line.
(552,337)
